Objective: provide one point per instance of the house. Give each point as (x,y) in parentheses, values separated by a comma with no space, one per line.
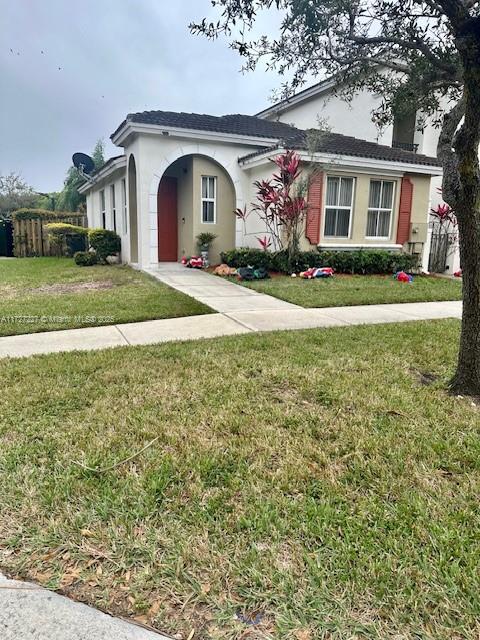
(182,173)
(323,102)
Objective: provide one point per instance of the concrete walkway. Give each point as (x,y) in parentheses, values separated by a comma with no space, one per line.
(220,324)
(218,293)
(29,612)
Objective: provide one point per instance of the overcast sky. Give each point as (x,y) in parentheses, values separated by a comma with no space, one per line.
(71,70)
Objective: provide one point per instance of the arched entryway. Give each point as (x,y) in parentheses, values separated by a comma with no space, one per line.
(195,195)
(132,208)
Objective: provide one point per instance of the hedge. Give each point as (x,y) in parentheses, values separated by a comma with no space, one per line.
(64,229)
(105,242)
(362,261)
(44,214)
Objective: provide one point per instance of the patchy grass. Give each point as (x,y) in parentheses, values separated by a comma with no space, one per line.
(320,483)
(44,294)
(343,290)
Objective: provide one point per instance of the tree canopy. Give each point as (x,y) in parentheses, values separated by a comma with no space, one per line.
(70,199)
(421,56)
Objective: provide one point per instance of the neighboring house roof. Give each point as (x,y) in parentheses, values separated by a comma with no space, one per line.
(236,124)
(340,145)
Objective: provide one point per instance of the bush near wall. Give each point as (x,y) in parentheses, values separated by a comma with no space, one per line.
(66,238)
(29,235)
(362,261)
(104,242)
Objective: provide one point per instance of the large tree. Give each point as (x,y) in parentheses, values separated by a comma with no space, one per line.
(419,55)
(15,193)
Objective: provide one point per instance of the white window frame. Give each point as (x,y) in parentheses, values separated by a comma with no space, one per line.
(103,209)
(381,209)
(124,205)
(214,199)
(113,207)
(345,208)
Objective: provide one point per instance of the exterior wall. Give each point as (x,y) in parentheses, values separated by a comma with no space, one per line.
(225,223)
(352,118)
(188,171)
(94,213)
(419,217)
(153,155)
(358,223)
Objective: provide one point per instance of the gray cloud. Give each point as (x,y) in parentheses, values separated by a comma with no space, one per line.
(102,59)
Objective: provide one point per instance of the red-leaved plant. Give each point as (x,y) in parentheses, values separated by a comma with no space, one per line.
(281,206)
(265,243)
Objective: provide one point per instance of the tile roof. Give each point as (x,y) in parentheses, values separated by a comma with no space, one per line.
(339,144)
(237,123)
(284,135)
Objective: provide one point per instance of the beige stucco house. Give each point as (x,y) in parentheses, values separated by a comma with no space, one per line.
(182,173)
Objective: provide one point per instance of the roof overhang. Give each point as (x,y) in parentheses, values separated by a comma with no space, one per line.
(106,171)
(346,163)
(128,128)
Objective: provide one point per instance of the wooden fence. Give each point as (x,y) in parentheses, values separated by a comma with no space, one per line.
(30,238)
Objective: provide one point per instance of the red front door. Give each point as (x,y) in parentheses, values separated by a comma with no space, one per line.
(167,220)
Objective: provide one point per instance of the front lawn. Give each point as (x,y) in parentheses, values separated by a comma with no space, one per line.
(344,290)
(320,483)
(44,294)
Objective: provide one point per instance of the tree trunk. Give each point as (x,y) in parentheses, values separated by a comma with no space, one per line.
(467,207)
(467,377)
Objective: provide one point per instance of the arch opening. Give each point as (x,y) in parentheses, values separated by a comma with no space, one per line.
(195,195)
(133,208)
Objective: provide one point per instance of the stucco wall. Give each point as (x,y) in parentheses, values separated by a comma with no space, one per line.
(420,208)
(153,155)
(94,214)
(224,226)
(352,118)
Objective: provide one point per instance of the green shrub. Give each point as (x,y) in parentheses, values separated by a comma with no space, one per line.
(66,238)
(247,257)
(362,261)
(44,214)
(205,239)
(85,258)
(105,242)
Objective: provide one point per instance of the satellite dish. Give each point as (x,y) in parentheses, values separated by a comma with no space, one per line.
(83,163)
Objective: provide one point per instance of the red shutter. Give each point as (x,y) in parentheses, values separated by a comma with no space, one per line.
(405,211)
(314,213)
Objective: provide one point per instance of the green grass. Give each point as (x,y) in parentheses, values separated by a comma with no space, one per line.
(44,294)
(345,290)
(311,477)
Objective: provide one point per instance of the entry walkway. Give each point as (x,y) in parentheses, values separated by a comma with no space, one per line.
(218,293)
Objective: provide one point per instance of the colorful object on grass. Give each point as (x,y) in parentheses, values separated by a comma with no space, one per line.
(249,273)
(195,262)
(458,274)
(319,272)
(225,270)
(401,276)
